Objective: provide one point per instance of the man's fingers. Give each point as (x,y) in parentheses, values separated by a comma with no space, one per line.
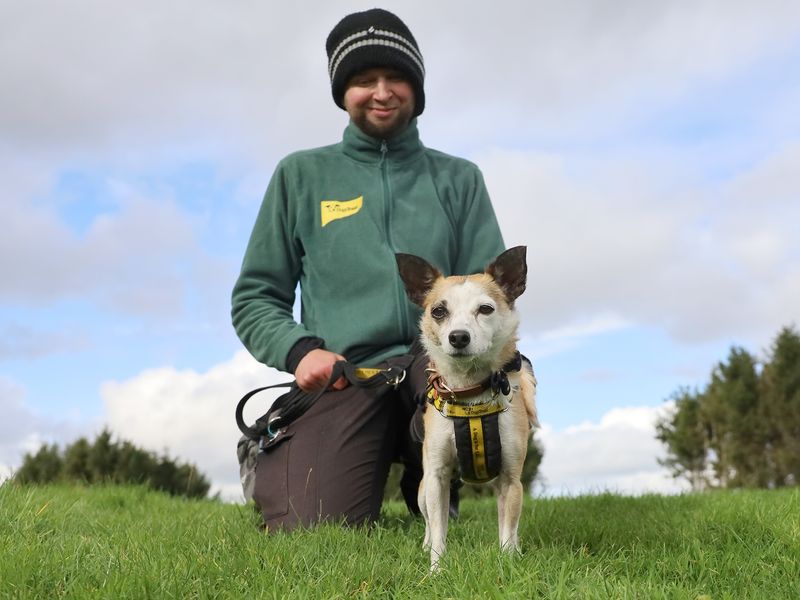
(314,371)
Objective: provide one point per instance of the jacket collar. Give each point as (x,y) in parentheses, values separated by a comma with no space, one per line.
(403,147)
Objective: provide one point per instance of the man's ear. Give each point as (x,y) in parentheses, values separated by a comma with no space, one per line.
(418,276)
(510,271)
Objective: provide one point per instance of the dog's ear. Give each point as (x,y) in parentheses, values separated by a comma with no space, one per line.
(418,276)
(509,270)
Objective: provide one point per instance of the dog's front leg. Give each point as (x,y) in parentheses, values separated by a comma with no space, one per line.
(437,498)
(423,508)
(509,509)
(500,492)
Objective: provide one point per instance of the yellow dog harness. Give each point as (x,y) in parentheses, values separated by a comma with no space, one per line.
(477,432)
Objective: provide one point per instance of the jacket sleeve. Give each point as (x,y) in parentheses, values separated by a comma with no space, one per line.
(479,237)
(264,293)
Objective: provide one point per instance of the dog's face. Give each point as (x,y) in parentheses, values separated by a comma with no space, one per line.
(467,319)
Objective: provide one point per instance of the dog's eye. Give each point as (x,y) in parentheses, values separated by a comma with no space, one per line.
(486,309)
(439,312)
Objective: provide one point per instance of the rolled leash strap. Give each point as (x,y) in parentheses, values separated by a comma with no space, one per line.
(255,432)
(295,402)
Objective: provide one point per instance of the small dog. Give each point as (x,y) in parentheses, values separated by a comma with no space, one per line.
(482,394)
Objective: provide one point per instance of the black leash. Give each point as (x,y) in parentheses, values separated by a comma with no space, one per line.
(288,407)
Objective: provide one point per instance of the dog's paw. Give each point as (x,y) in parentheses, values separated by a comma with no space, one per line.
(511,548)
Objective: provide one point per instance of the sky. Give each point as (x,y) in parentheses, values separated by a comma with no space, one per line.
(647,153)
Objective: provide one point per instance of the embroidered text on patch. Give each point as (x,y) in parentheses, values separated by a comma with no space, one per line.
(330,210)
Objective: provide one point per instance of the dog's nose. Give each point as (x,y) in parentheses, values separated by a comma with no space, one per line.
(459,339)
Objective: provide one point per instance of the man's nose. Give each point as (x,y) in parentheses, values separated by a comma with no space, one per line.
(383,89)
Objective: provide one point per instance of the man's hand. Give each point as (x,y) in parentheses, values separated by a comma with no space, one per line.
(314,370)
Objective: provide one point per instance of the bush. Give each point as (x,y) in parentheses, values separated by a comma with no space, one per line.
(108,461)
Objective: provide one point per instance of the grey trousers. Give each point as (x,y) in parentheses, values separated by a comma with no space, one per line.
(334,460)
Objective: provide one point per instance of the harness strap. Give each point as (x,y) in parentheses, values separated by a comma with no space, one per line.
(478,448)
(449,409)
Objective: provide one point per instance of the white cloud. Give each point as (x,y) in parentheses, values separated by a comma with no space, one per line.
(618,454)
(759,210)
(243,78)
(137,257)
(191,414)
(578,70)
(95,75)
(663,254)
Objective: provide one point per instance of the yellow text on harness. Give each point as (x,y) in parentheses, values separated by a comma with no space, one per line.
(478,449)
(331,210)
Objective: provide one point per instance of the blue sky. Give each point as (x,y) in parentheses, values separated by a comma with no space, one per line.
(646,153)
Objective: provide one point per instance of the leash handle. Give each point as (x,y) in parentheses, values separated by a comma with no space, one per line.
(290,406)
(252,432)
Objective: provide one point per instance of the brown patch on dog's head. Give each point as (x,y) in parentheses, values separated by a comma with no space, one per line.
(510,272)
(418,275)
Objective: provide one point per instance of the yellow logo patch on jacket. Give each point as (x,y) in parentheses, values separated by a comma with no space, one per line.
(339,209)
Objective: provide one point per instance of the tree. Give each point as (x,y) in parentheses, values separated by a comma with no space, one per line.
(76,461)
(108,461)
(745,424)
(134,465)
(103,457)
(736,438)
(684,433)
(43,467)
(780,389)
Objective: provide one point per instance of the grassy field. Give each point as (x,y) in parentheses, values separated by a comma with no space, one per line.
(121,542)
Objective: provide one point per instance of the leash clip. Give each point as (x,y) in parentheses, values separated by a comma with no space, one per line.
(499,383)
(398,379)
(453,397)
(271,435)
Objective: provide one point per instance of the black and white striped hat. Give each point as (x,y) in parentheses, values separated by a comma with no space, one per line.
(373,38)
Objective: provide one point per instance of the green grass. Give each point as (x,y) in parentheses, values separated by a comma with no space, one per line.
(122,542)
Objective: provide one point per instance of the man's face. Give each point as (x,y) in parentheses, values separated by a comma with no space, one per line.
(380,101)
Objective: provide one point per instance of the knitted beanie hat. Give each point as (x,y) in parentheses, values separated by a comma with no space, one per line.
(373,38)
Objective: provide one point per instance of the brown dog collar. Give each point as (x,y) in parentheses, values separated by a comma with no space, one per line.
(497,382)
(437,382)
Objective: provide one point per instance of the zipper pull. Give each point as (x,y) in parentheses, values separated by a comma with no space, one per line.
(384,152)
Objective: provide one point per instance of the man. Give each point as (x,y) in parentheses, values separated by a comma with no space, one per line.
(332,220)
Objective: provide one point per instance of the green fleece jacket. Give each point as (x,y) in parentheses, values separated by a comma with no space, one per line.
(332,219)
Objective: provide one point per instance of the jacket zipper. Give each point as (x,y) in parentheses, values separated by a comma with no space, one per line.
(387,197)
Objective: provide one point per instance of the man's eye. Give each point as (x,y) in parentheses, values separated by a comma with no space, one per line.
(438,312)
(486,309)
